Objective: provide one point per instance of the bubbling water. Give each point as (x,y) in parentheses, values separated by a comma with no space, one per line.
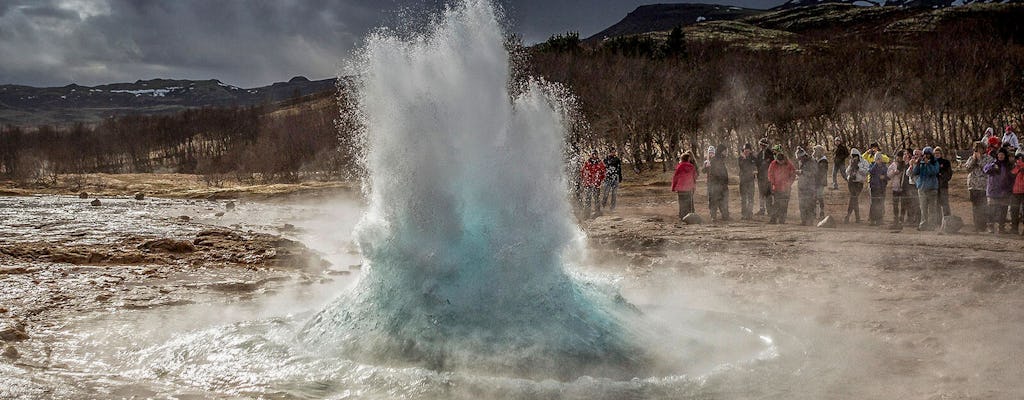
(468,227)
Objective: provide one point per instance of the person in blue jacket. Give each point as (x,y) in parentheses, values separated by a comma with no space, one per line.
(926,174)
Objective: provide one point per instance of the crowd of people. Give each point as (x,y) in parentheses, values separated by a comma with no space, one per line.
(917,183)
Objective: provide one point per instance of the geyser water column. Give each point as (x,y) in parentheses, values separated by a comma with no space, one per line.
(468,222)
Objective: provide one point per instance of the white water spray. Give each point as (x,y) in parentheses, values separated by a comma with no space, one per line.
(468,225)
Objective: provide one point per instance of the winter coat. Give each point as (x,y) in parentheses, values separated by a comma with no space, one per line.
(976,178)
(858,173)
(926,174)
(593,172)
(1000,179)
(808,176)
(685,178)
(870,158)
(717,172)
(1018,172)
(781,176)
(764,160)
(1011,139)
(840,154)
(748,169)
(945,173)
(896,177)
(613,165)
(878,176)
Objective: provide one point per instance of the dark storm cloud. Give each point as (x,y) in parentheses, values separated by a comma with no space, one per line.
(242,42)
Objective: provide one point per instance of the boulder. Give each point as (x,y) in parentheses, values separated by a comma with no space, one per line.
(184,218)
(13,333)
(230,206)
(951,224)
(140,196)
(95,203)
(218,214)
(692,219)
(83,195)
(168,246)
(828,222)
(11,353)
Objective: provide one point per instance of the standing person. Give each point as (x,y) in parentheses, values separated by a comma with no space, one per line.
(912,205)
(998,190)
(764,187)
(592,174)
(818,155)
(878,179)
(869,155)
(945,175)
(781,174)
(1010,138)
(612,178)
(839,156)
(1017,199)
(684,181)
(896,184)
(856,174)
(807,187)
(926,173)
(748,165)
(718,184)
(977,181)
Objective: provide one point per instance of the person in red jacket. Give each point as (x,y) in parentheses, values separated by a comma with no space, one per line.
(592,176)
(781,174)
(683,183)
(1017,200)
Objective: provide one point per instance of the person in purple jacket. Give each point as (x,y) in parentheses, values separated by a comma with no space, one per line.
(1000,185)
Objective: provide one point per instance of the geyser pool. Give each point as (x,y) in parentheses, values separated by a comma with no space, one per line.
(468,226)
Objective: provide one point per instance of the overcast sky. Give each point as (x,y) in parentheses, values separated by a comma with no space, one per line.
(242,42)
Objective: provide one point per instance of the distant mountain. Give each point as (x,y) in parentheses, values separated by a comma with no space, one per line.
(661,17)
(26,105)
(892,3)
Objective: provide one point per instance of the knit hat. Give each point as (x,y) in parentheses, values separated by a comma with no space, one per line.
(777,148)
(747,146)
(1009,128)
(711,150)
(929,150)
(855,152)
(800,152)
(763,142)
(994,141)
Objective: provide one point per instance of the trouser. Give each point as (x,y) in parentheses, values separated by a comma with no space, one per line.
(685,203)
(807,202)
(819,198)
(898,208)
(611,188)
(854,206)
(927,199)
(943,203)
(780,206)
(764,191)
(979,208)
(997,211)
(877,211)
(591,194)
(839,164)
(911,206)
(747,199)
(718,200)
(1015,203)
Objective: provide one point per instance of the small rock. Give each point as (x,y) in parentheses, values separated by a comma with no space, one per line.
(230,206)
(15,333)
(168,246)
(288,228)
(355,266)
(951,224)
(103,297)
(83,195)
(219,214)
(11,353)
(140,196)
(692,219)
(95,203)
(184,218)
(828,222)
(13,270)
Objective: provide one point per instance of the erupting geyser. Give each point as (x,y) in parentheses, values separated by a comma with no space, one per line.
(468,227)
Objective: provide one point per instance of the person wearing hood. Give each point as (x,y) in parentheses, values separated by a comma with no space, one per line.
(878,179)
(945,175)
(856,174)
(896,184)
(807,186)
(1010,138)
(593,175)
(684,181)
(781,174)
(977,181)
(612,178)
(926,174)
(913,204)
(748,176)
(999,188)
(839,156)
(764,187)
(989,132)
(718,183)
(1017,198)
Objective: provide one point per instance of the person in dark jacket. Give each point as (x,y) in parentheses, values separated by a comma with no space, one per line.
(764,187)
(612,178)
(926,174)
(592,175)
(878,180)
(945,175)
(839,156)
(999,190)
(718,184)
(977,181)
(807,185)
(683,183)
(748,165)
(818,155)
(911,204)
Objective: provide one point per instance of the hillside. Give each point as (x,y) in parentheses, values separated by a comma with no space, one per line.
(661,17)
(25,105)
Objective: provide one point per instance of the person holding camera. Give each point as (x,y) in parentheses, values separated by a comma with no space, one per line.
(977,181)
(856,175)
(926,174)
(781,174)
(1000,186)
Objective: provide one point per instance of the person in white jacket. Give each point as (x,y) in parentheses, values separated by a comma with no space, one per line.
(856,175)
(1010,138)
